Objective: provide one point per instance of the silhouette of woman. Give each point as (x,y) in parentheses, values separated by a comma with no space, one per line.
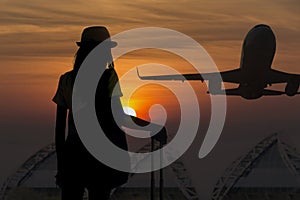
(77,169)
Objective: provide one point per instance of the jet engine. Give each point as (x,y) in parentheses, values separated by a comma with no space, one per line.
(292,86)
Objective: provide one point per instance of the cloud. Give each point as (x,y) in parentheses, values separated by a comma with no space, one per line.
(57,24)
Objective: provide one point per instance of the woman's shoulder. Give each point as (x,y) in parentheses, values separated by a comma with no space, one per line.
(66,80)
(67,75)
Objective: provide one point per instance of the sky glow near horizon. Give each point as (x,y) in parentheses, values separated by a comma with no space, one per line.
(38,44)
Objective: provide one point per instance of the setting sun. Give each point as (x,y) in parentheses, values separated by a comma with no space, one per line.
(129,111)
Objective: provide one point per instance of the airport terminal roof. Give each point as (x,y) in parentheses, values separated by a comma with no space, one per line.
(271,167)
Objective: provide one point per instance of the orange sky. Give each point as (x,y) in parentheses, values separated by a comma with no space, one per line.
(37,38)
(38,44)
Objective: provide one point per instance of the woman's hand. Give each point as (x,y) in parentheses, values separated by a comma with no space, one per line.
(130,122)
(161,136)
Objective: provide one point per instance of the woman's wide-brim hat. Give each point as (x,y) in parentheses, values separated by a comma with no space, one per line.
(95,35)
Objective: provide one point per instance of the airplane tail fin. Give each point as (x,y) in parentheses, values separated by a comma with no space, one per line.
(138,73)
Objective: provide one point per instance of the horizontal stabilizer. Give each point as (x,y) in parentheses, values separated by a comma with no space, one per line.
(272,92)
(239,92)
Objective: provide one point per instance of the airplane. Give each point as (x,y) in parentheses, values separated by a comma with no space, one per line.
(255,72)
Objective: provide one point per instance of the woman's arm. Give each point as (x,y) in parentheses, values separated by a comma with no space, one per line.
(61,116)
(140,124)
(126,120)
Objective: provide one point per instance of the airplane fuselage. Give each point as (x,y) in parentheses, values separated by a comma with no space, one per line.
(256,60)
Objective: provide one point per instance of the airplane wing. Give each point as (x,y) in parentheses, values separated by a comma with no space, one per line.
(232,76)
(274,76)
(236,76)
(292,81)
(176,77)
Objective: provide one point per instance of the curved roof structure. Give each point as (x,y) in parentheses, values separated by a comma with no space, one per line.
(39,170)
(27,169)
(270,168)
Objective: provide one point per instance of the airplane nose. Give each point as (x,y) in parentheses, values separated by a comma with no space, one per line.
(261,25)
